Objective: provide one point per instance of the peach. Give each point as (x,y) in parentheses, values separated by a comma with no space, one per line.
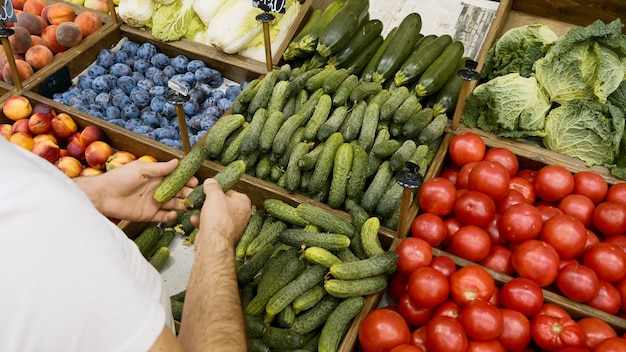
(37,40)
(20,40)
(18,4)
(49,36)
(76,148)
(90,134)
(4,59)
(47,150)
(63,125)
(24,70)
(30,21)
(98,5)
(97,154)
(39,123)
(69,34)
(38,56)
(69,165)
(22,139)
(21,126)
(90,171)
(64,152)
(17,107)
(120,158)
(59,12)
(46,136)
(45,108)
(88,22)
(34,6)
(147,158)
(6,130)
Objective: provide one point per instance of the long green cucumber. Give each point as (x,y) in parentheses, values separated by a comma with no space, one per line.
(250,141)
(186,168)
(390,106)
(369,237)
(338,323)
(262,96)
(341,172)
(319,116)
(269,131)
(325,219)
(227,177)
(332,124)
(312,275)
(351,126)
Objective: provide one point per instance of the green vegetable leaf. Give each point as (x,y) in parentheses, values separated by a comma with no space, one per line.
(175,21)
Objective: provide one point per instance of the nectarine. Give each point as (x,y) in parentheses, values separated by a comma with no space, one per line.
(17,107)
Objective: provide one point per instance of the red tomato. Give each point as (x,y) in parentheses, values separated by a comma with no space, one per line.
(553,182)
(610,218)
(578,206)
(595,330)
(566,234)
(553,333)
(413,253)
(382,330)
(590,184)
(462,178)
(450,175)
(407,348)
(428,287)
(607,260)
(552,310)
(515,336)
(470,242)
(418,337)
(497,239)
(499,259)
(592,239)
(505,157)
(547,211)
(466,147)
(481,320)
(619,240)
(511,197)
(520,222)
(453,225)
(447,309)
(616,193)
(474,208)
(437,196)
(444,265)
(430,228)
(528,174)
(445,334)
(484,346)
(397,286)
(412,313)
(621,288)
(536,260)
(608,298)
(521,294)
(470,283)
(525,187)
(493,300)
(490,178)
(612,344)
(577,282)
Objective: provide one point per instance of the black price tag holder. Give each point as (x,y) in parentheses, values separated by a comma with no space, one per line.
(265,18)
(410,179)
(7,14)
(177,96)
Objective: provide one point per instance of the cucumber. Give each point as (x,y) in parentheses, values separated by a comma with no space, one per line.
(420,59)
(346,254)
(433,130)
(165,240)
(315,317)
(319,116)
(440,70)
(301,98)
(180,296)
(250,141)
(177,310)
(359,216)
(380,98)
(253,228)
(415,124)
(334,81)
(342,93)
(324,164)
(409,107)
(333,123)
(376,188)
(448,95)
(351,126)
(368,31)
(290,106)
(185,226)
(365,90)
(284,212)
(263,167)
(186,168)
(240,104)
(221,129)
(269,131)
(252,267)
(232,150)
(298,83)
(270,231)
(341,172)
(284,71)
(399,48)
(338,323)
(312,275)
(398,159)
(308,299)
(367,134)
(257,345)
(262,96)
(373,162)
(278,99)
(286,317)
(292,172)
(385,149)
(355,288)
(391,199)
(147,239)
(316,81)
(227,177)
(369,237)
(280,338)
(255,327)
(392,104)
(325,219)
(307,162)
(358,173)
(286,130)
(299,238)
(321,256)
(342,27)
(296,137)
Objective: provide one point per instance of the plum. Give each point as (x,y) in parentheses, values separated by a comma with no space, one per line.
(160,60)
(208,121)
(112,112)
(126,83)
(140,97)
(195,122)
(119,122)
(146,51)
(119,70)
(130,47)
(216,79)
(224,104)
(141,66)
(169,71)
(166,132)
(174,143)
(145,84)
(160,79)
(120,100)
(121,57)
(85,81)
(105,58)
(150,72)
(150,118)
(96,70)
(103,99)
(130,111)
(232,91)
(143,130)
(158,91)
(131,122)
(217,94)
(157,103)
(193,65)
(199,93)
(102,84)
(169,110)
(89,94)
(190,108)
(179,62)
(137,76)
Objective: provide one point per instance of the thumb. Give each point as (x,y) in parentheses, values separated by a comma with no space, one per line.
(211,185)
(160,169)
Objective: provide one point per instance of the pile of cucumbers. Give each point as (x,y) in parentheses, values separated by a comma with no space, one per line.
(344,37)
(327,135)
(303,274)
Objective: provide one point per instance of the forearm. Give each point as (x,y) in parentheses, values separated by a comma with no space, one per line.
(212,316)
(90,185)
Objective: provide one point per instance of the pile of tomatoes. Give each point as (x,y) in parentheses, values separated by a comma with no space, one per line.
(546,228)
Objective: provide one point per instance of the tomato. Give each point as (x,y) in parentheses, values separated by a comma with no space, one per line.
(607,260)
(470,283)
(521,294)
(499,259)
(412,313)
(413,253)
(466,147)
(474,208)
(547,211)
(445,334)
(612,344)
(616,193)
(619,240)
(407,348)
(595,330)
(610,218)
(397,286)
(444,265)
(515,336)
(553,182)
(418,337)
(493,300)
(578,206)
(577,282)
(505,157)
(621,288)
(536,260)
(592,239)
(428,287)
(608,298)
(511,197)
(520,222)
(453,225)
(450,175)
(525,187)
(382,330)
(462,178)
(430,228)
(481,320)
(566,234)
(437,196)
(552,310)
(447,309)
(553,333)
(470,242)
(590,184)
(484,346)
(527,174)
(490,178)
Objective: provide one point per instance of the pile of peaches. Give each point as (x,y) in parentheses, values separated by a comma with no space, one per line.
(42,32)
(57,138)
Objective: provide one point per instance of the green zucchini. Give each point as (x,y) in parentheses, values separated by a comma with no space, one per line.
(325,219)
(338,323)
(367,73)
(324,164)
(448,95)
(355,288)
(284,212)
(300,238)
(341,172)
(420,59)
(369,237)
(293,50)
(440,70)
(342,93)
(309,41)
(173,182)
(342,27)
(252,230)
(359,41)
(310,277)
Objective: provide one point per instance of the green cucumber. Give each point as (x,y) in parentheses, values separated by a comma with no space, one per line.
(251,268)
(340,175)
(338,323)
(255,327)
(440,70)
(325,219)
(262,96)
(380,98)
(416,123)
(321,256)
(264,167)
(397,161)
(177,310)
(292,172)
(351,126)
(377,186)
(299,238)
(324,164)
(284,212)
(317,81)
(308,299)
(433,130)
(358,173)
(253,228)
(147,239)
(392,104)
(307,162)
(369,237)
(409,107)
(298,83)
(269,131)
(420,59)
(342,93)
(310,277)
(278,99)
(280,338)
(250,141)
(319,116)
(367,134)
(227,177)
(385,149)
(391,199)
(355,288)
(221,129)
(286,317)
(315,317)
(240,104)
(332,124)
(365,90)
(268,235)
(334,81)
(232,150)
(173,182)
(286,130)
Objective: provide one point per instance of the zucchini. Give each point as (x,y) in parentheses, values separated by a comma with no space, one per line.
(357,287)
(293,50)
(147,239)
(310,277)
(369,237)
(284,212)
(315,317)
(341,172)
(309,41)
(262,96)
(332,124)
(416,123)
(358,173)
(255,222)
(280,338)
(399,48)
(299,238)
(351,126)
(269,131)
(325,219)
(173,182)
(308,299)
(250,141)
(342,93)
(334,81)
(369,126)
(448,95)
(367,73)
(392,104)
(338,323)
(324,164)
(321,256)
(359,41)
(420,59)
(440,70)
(319,116)
(292,172)
(342,27)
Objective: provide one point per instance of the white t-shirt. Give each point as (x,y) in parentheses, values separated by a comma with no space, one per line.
(70,280)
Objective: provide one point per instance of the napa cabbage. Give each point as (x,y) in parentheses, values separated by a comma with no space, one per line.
(176,20)
(136,13)
(234,26)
